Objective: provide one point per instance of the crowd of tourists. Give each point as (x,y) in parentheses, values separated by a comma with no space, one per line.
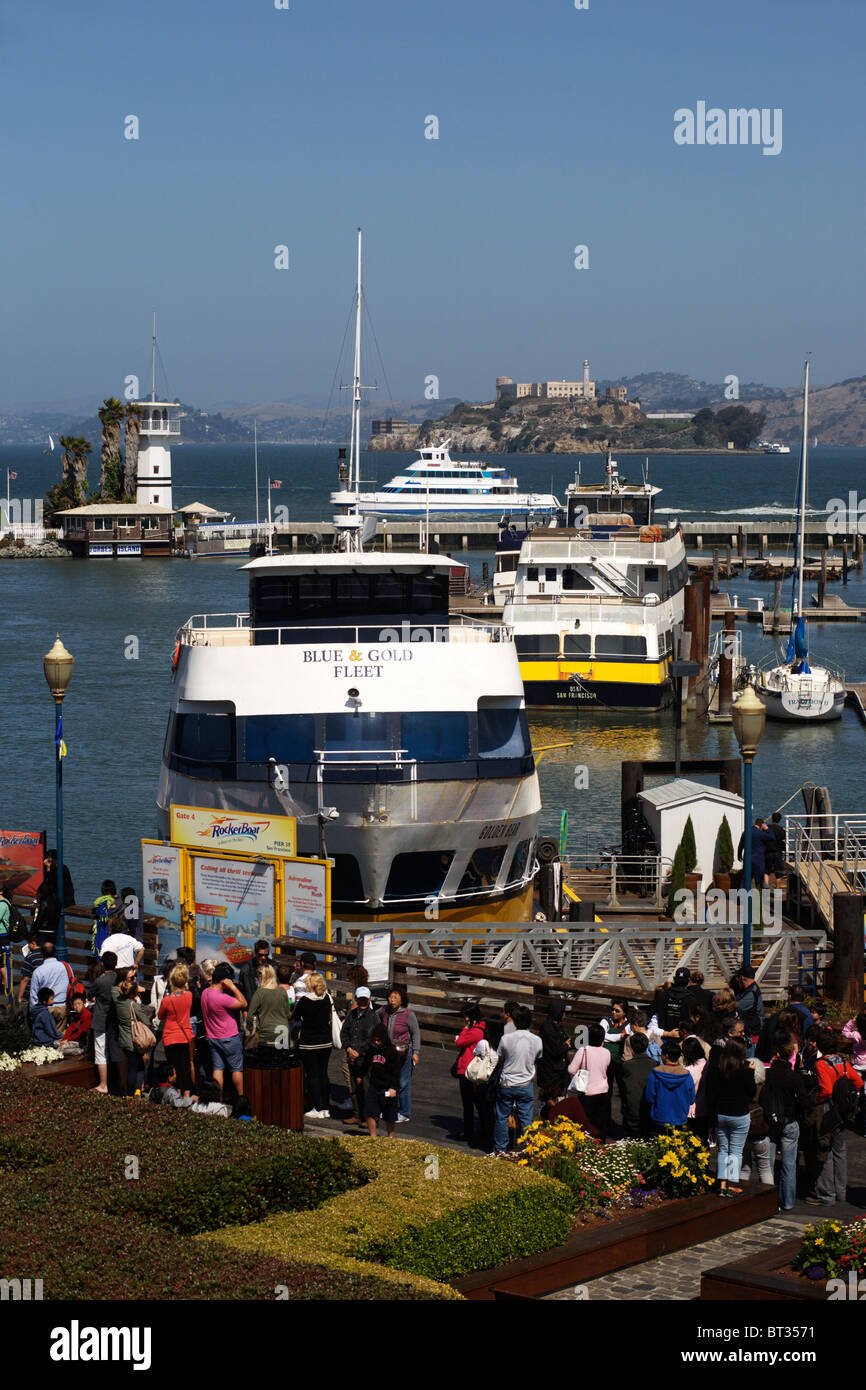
(753,1086)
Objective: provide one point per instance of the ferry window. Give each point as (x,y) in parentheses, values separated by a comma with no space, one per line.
(359,732)
(429,593)
(418,875)
(388,593)
(353,593)
(537,644)
(346,884)
(205,739)
(550,575)
(288,738)
(483,868)
(271,597)
(573,579)
(314,595)
(532,574)
(503,733)
(606,645)
(435,738)
(508,562)
(576,644)
(651,574)
(518,863)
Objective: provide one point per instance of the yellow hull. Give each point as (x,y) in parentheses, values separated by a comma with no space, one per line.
(513,907)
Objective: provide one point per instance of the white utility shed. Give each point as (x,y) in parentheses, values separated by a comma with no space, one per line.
(668,807)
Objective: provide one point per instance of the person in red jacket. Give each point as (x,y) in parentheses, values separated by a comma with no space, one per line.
(473,1031)
(80,1022)
(832,1181)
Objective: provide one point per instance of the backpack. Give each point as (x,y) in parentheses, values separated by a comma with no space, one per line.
(18,930)
(747,1008)
(773,1100)
(844,1100)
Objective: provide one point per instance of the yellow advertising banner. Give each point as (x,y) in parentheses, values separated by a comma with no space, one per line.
(234,831)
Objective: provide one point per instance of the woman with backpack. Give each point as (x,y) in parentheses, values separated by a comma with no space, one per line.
(731,1088)
(838,1093)
(472,1033)
(785,1097)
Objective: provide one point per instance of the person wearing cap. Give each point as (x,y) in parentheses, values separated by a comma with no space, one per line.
(306,968)
(355,1036)
(749,1004)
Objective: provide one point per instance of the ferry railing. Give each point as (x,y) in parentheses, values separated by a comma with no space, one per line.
(460,628)
(585,546)
(368,758)
(638,875)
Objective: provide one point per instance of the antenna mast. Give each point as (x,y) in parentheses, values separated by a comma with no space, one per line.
(153,361)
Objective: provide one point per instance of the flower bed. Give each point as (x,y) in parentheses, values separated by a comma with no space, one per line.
(430,1212)
(832,1250)
(130,1178)
(623,1174)
(40,1056)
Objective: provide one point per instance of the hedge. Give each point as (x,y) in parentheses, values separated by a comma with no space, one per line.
(473,1214)
(72,1217)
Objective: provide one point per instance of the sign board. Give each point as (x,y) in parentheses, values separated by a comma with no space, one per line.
(305,888)
(160,881)
(375,953)
(235,831)
(21,856)
(99,550)
(129,549)
(234,905)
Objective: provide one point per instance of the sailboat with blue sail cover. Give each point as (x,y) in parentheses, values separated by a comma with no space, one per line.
(795,689)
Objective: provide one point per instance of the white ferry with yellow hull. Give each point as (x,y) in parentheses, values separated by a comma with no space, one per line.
(350,698)
(597,606)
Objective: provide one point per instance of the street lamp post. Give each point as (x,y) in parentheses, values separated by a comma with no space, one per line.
(57,665)
(748,716)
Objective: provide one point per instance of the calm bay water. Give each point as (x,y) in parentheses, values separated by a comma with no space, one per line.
(115,712)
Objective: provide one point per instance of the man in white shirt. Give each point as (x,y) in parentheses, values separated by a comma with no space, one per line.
(126,948)
(518,1053)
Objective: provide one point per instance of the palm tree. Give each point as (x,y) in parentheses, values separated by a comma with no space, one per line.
(71,491)
(110,415)
(130,461)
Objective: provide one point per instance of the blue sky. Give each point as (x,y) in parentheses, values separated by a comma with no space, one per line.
(261,127)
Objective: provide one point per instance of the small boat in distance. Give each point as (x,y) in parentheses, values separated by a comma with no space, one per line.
(772,446)
(436,483)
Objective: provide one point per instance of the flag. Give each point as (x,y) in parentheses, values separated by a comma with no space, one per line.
(12,476)
(58,737)
(276,482)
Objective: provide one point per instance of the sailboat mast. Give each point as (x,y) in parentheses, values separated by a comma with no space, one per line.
(153,361)
(355,450)
(256,468)
(803,487)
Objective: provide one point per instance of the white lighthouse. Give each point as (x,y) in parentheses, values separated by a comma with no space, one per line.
(158,424)
(153,479)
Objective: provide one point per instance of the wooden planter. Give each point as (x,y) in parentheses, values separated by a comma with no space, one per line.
(758,1278)
(722,881)
(638,1237)
(276,1095)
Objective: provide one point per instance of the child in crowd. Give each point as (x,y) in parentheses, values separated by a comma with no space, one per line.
(80,1021)
(384,1064)
(209,1102)
(43,1029)
(164,1090)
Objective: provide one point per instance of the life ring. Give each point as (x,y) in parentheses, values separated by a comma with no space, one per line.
(651,533)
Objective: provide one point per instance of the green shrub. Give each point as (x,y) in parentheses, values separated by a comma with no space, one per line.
(65,1151)
(724,847)
(678,879)
(431,1212)
(690,849)
(490,1231)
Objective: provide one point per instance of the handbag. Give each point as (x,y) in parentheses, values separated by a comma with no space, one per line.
(142,1037)
(251,1035)
(336,1026)
(481,1068)
(580,1080)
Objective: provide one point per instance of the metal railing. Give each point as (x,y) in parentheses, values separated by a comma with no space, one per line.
(585,546)
(28,530)
(641,956)
(151,424)
(637,875)
(194,631)
(825,835)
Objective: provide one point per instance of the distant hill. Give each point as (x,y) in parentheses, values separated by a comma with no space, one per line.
(675,391)
(197,427)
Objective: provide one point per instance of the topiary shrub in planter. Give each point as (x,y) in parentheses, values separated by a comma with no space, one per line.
(677,880)
(724,856)
(690,849)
